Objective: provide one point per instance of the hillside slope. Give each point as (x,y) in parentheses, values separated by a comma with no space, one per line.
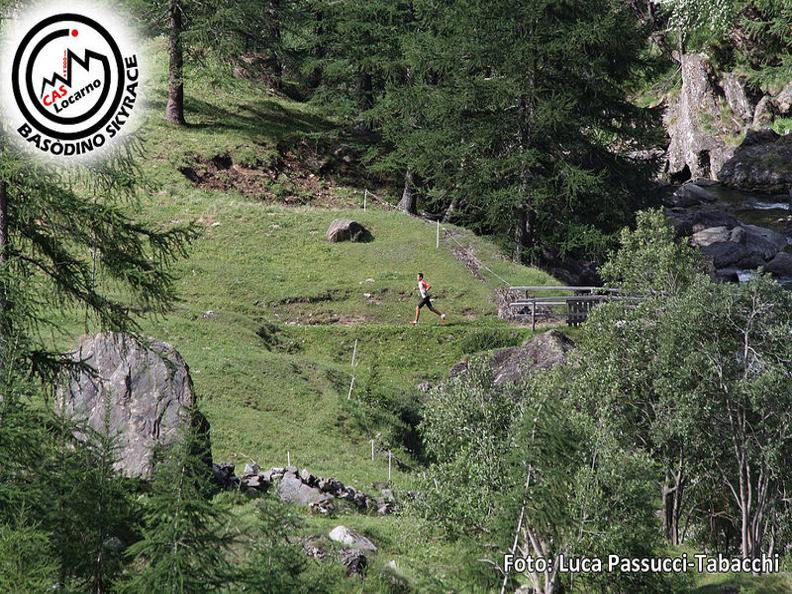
(270,311)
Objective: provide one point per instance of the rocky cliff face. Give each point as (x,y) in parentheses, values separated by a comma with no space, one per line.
(707,120)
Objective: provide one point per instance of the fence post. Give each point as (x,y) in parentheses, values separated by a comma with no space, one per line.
(288,458)
(354,353)
(365,198)
(437,242)
(372,449)
(351,385)
(533,316)
(390,457)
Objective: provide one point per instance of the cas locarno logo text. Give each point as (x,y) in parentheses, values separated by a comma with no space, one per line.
(70,81)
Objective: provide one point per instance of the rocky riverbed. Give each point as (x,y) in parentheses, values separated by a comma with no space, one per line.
(738,232)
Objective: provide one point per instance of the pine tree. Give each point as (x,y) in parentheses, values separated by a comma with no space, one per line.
(357,51)
(516,113)
(27,565)
(185,542)
(71,243)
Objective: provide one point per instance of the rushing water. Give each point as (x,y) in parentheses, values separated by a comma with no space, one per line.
(771,212)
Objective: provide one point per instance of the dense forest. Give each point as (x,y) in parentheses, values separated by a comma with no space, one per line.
(554,142)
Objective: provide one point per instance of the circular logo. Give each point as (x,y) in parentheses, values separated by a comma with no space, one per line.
(73,86)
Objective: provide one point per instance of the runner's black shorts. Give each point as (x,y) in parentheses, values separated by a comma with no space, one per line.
(425,301)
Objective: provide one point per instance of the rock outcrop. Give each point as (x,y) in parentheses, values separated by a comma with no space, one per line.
(347,230)
(762,163)
(697,132)
(732,246)
(140,392)
(514,364)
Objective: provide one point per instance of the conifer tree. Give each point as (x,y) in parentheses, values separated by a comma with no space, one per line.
(185,542)
(517,114)
(71,242)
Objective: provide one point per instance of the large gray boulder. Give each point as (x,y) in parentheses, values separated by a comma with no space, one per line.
(514,364)
(347,230)
(139,392)
(762,163)
(728,254)
(763,242)
(781,265)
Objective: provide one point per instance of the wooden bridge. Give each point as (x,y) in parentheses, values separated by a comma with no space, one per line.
(577,305)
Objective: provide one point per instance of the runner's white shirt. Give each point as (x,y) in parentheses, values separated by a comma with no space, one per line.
(423,287)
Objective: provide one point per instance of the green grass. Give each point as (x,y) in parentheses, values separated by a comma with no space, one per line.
(782,125)
(271,362)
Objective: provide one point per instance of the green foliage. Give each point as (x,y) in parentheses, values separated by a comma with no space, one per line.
(272,563)
(692,363)
(466,426)
(650,260)
(504,114)
(357,52)
(73,245)
(752,36)
(90,509)
(185,542)
(27,565)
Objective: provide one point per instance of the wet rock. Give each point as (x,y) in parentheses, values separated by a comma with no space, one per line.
(725,254)
(765,243)
(780,265)
(688,222)
(762,163)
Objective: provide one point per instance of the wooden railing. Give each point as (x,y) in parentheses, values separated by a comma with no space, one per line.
(578,304)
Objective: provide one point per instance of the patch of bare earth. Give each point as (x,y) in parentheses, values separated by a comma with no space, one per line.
(297,176)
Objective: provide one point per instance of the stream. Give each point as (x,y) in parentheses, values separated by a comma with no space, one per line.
(703,201)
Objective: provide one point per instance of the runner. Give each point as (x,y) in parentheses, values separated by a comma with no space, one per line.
(426,299)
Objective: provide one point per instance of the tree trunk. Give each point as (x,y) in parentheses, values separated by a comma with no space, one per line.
(174,110)
(408,201)
(673,493)
(523,234)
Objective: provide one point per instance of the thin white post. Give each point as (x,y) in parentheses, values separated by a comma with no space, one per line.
(365,198)
(437,242)
(288,458)
(372,449)
(390,457)
(354,353)
(351,385)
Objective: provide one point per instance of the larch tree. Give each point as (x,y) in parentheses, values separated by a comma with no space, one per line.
(517,114)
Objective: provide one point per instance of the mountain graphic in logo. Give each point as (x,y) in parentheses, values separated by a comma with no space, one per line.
(70,59)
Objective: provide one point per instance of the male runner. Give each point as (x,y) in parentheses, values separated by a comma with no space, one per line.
(426,299)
